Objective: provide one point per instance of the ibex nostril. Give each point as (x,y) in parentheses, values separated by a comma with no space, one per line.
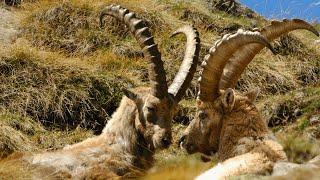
(166,142)
(181,140)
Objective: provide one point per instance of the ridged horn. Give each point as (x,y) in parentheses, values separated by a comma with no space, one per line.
(217,58)
(188,66)
(141,32)
(244,55)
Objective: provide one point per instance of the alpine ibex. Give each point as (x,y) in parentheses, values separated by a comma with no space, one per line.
(141,124)
(227,121)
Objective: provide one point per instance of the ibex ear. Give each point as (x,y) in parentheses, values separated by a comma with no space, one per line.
(228,99)
(130,94)
(253,94)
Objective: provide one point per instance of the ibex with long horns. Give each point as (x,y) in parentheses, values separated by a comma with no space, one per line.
(140,125)
(227,121)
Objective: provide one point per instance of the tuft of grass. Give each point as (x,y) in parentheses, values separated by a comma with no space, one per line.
(66,27)
(57,96)
(299,149)
(22,134)
(73,27)
(9,165)
(269,77)
(57,139)
(12,140)
(290,45)
(312,103)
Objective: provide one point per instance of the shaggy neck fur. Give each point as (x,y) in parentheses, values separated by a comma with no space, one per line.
(246,146)
(119,151)
(126,137)
(236,131)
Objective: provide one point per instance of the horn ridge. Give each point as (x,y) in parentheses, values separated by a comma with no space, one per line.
(188,66)
(219,54)
(244,55)
(142,34)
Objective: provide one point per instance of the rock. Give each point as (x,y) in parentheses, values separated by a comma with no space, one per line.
(315,161)
(297,112)
(315,119)
(284,168)
(8,26)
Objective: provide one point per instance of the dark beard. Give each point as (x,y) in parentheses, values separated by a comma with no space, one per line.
(144,153)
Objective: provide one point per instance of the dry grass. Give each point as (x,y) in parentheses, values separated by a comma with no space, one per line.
(22,134)
(55,95)
(12,140)
(299,148)
(295,106)
(296,65)
(8,166)
(72,27)
(290,116)
(66,72)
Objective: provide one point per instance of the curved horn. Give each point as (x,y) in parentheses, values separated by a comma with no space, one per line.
(141,32)
(237,64)
(189,64)
(215,62)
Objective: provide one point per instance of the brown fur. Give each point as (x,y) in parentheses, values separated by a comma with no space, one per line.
(228,123)
(142,123)
(125,148)
(232,126)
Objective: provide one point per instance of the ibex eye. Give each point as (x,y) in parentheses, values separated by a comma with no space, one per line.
(151,109)
(202,115)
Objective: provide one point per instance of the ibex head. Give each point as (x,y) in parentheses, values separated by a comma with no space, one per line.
(222,113)
(156,105)
(203,133)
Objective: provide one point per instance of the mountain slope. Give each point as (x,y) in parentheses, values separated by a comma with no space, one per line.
(64,73)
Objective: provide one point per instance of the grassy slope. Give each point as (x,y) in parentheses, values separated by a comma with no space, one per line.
(64,69)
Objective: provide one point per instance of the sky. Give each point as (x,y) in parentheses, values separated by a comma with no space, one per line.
(277,9)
